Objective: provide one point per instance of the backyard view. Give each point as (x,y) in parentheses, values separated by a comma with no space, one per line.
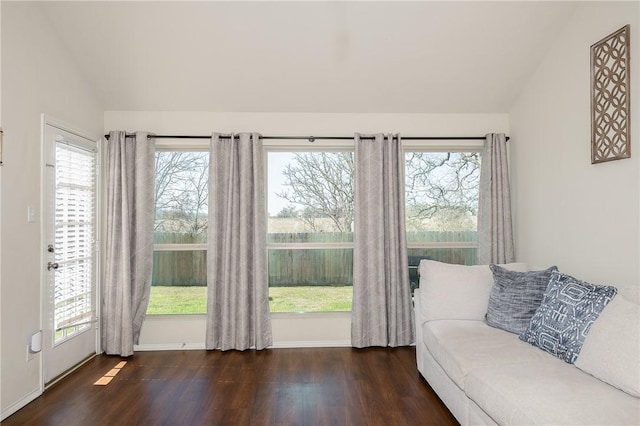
(310,221)
(193,299)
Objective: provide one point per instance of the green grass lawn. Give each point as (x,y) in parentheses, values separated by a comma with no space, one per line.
(193,300)
(310,299)
(177,300)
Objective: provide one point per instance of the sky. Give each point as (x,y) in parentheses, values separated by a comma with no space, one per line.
(275,165)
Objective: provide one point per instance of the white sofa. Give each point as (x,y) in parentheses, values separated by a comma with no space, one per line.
(488,376)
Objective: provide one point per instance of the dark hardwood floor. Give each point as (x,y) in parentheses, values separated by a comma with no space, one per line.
(310,386)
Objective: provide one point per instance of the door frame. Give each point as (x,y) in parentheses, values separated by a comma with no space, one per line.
(45,120)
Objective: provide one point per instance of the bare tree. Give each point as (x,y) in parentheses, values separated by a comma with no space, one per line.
(288,212)
(438,182)
(181,192)
(322,184)
(168,168)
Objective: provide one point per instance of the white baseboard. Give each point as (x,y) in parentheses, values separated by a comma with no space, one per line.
(276,345)
(20,404)
(312,344)
(169,347)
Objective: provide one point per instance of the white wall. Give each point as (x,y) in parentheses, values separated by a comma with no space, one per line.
(288,329)
(36,78)
(203,123)
(582,217)
(1,417)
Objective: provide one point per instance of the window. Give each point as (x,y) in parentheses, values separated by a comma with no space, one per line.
(74,246)
(179,283)
(309,232)
(310,203)
(441,207)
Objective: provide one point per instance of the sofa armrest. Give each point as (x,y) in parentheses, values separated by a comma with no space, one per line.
(417,312)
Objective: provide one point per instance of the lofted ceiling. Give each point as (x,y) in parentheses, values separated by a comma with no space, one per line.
(404,57)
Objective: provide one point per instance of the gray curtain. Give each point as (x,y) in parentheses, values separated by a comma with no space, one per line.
(495,232)
(381,313)
(238,289)
(129,241)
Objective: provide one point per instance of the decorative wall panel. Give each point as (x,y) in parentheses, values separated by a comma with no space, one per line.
(610,124)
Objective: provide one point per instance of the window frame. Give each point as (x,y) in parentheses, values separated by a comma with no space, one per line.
(276,145)
(164,145)
(294,147)
(435,146)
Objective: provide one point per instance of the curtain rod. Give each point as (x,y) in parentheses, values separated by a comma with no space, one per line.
(315,138)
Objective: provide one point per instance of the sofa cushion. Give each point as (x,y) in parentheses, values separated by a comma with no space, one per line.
(460,346)
(456,291)
(550,392)
(611,351)
(515,297)
(564,318)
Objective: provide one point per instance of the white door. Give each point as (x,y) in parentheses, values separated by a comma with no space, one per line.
(70,250)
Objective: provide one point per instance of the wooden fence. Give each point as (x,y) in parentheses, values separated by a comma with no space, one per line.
(307,267)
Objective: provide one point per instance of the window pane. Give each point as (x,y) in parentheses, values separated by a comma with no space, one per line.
(309,237)
(310,299)
(160,237)
(181,207)
(419,236)
(460,256)
(310,280)
(179,283)
(441,207)
(442,192)
(181,197)
(310,201)
(325,267)
(177,301)
(311,192)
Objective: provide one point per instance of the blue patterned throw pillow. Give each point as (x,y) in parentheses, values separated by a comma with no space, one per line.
(564,318)
(515,297)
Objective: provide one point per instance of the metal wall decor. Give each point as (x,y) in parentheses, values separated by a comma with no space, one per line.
(610,123)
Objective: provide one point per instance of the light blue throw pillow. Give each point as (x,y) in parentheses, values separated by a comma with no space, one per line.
(564,318)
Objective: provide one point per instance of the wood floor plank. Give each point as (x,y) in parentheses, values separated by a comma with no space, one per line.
(310,386)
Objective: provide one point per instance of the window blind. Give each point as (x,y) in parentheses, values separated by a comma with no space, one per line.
(75,228)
